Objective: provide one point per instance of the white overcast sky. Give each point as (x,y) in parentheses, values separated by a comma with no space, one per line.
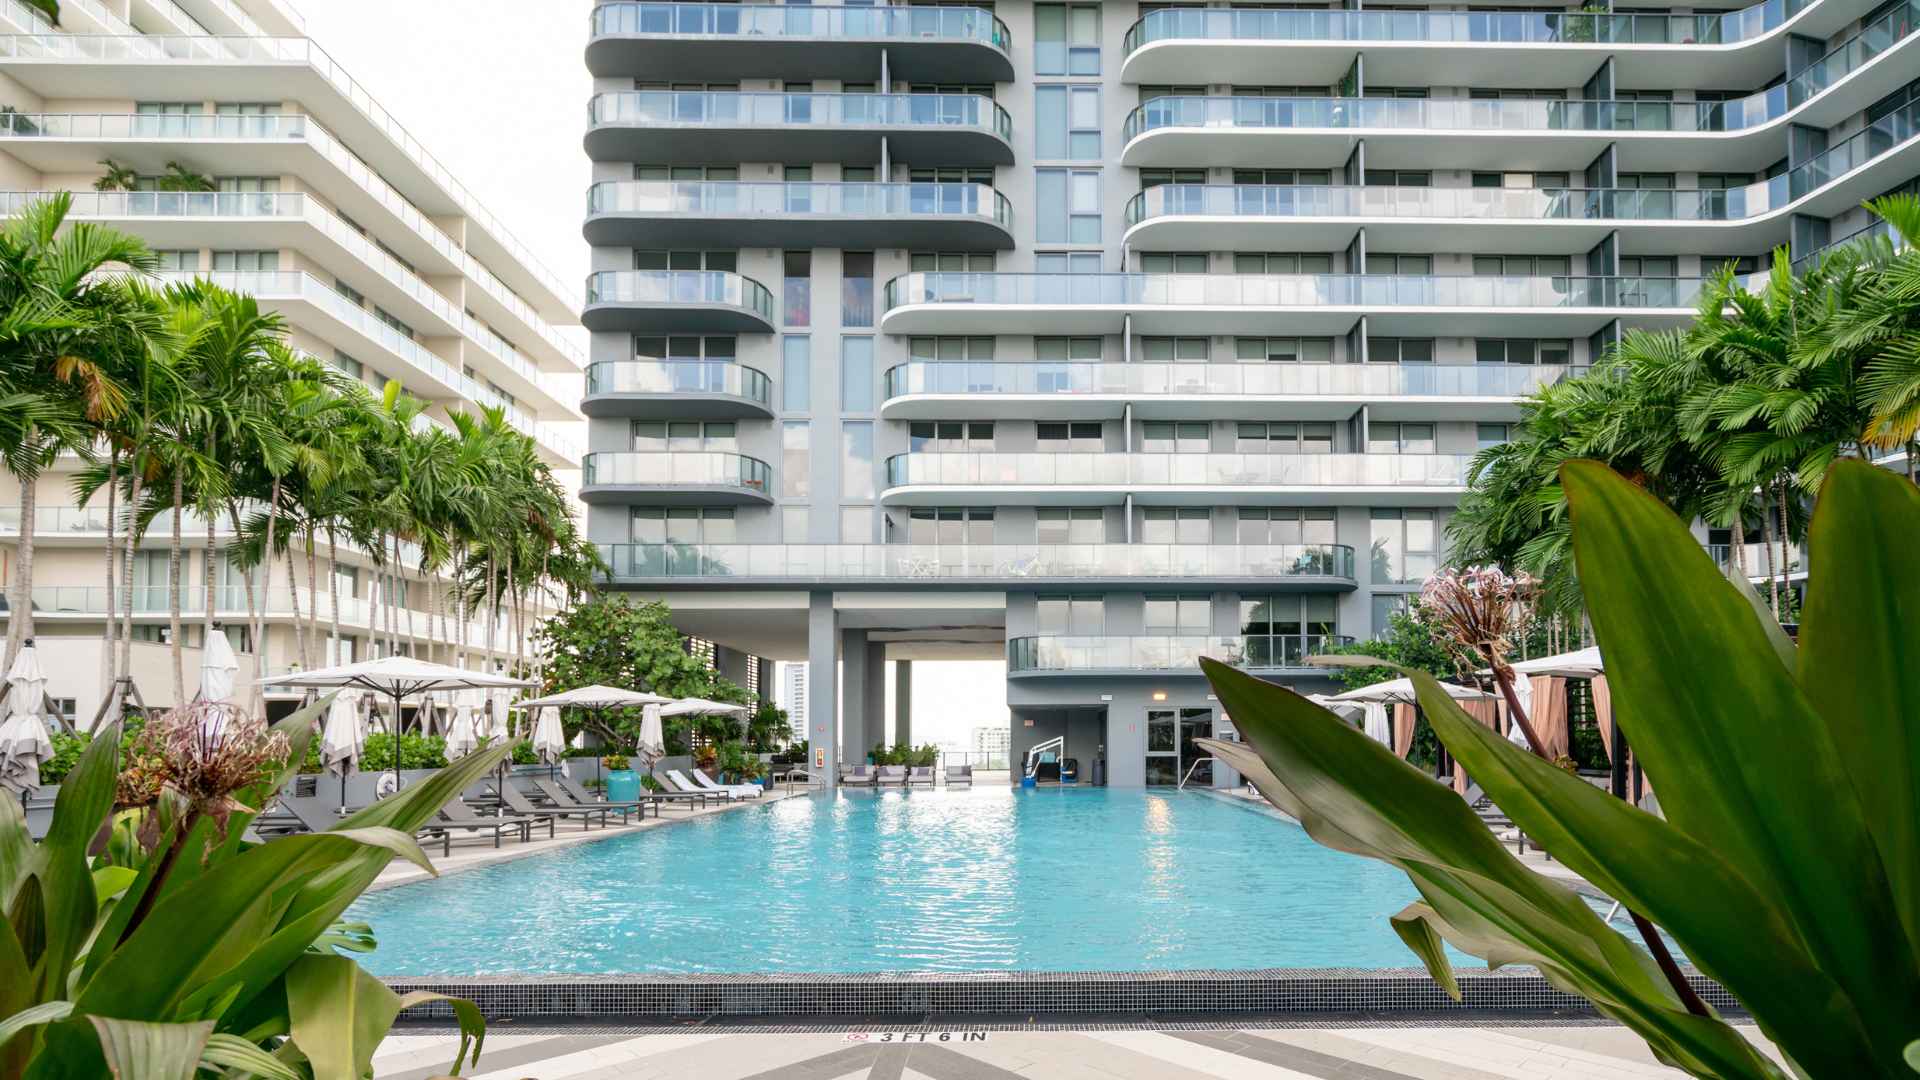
(497,91)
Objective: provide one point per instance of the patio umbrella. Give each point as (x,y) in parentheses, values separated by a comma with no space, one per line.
(461,736)
(397,677)
(597,699)
(653,741)
(217,668)
(1401,692)
(549,739)
(24,741)
(343,737)
(694,706)
(1579,664)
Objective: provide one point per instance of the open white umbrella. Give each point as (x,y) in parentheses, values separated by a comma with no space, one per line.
(1401,692)
(695,706)
(218,666)
(24,741)
(1578,664)
(597,699)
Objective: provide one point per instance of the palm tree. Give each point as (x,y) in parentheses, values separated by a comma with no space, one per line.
(1879,329)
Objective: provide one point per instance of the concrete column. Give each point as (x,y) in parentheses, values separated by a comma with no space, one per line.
(876,694)
(823,658)
(903,701)
(856,727)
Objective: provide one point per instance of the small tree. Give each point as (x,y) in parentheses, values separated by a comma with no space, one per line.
(608,641)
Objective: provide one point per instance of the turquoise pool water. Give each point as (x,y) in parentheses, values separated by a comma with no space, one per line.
(993,879)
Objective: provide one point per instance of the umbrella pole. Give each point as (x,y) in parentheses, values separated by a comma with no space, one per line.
(396,742)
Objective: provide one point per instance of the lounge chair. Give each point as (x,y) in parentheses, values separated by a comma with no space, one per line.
(559,797)
(679,782)
(891,776)
(920,774)
(519,804)
(458,815)
(315,815)
(751,791)
(687,798)
(959,774)
(859,776)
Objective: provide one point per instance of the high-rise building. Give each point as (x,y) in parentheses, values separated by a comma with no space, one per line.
(1064,333)
(325,209)
(793,697)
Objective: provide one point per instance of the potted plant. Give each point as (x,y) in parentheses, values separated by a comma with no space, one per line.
(623,784)
(705,759)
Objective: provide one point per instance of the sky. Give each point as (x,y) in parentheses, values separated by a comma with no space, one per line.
(497,91)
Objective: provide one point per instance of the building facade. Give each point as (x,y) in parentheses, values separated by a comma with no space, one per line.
(1102,337)
(330,214)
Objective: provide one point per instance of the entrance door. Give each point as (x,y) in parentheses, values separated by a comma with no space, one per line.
(1196,724)
(1170,746)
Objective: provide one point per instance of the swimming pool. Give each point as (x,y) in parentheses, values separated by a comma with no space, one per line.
(994,879)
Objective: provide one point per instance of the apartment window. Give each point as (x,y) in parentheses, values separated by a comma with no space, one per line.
(1173,350)
(1409,93)
(1067,262)
(1284,630)
(685,347)
(393,321)
(856,524)
(1170,437)
(165,119)
(951,262)
(950,348)
(1644,181)
(856,288)
(1074,525)
(1173,262)
(1521,351)
(247,261)
(796,373)
(1400,264)
(1155,177)
(1149,93)
(1653,266)
(1081,615)
(796,459)
(1176,525)
(1284,437)
(178,259)
(1285,350)
(1740,264)
(858,174)
(856,374)
(66,708)
(984,90)
(682,525)
(1521,180)
(1067,202)
(793,524)
(950,526)
(1489,435)
(1063,349)
(683,436)
(653,259)
(798,305)
(951,175)
(1401,438)
(1269,526)
(949,436)
(1181,613)
(1518,94)
(1078,438)
(1281,262)
(1283,177)
(1066,123)
(354,296)
(1405,545)
(1522,265)
(1066,39)
(1398,178)
(686,172)
(856,459)
(1282,92)
(1398,350)
(1385,607)
(347,365)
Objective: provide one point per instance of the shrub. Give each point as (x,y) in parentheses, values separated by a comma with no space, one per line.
(416,752)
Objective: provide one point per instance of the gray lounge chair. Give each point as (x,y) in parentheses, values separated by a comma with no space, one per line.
(959,774)
(892,776)
(859,776)
(920,775)
(316,815)
(520,804)
(751,791)
(559,797)
(688,798)
(458,815)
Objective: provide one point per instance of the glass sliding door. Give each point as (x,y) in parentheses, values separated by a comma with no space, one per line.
(1163,747)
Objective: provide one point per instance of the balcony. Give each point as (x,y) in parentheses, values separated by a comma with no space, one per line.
(734,214)
(1455,48)
(677,301)
(702,126)
(675,478)
(923,478)
(1159,654)
(1060,390)
(153,603)
(665,389)
(1302,566)
(1325,304)
(797,42)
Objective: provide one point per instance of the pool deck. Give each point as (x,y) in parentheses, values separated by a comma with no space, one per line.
(1357,1048)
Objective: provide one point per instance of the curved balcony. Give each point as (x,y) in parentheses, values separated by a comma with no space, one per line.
(1283,566)
(1325,304)
(677,301)
(735,214)
(796,42)
(923,478)
(675,478)
(1160,653)
(701,126)
(950,390)
(668,389)
(1449,48)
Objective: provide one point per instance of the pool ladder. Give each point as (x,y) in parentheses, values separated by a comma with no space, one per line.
(1197,762)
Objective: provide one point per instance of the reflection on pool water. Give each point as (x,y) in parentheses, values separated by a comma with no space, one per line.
(994,879)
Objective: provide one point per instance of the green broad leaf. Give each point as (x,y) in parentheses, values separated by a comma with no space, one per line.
(340,1014)
(1859,654)
(1416,926)
(393,840)
(138,1050)
(111,881)
(298,728)
(19,855)
(66,880)
(225,1051)
(44,1013)
(1743,761)
(1913,1055)
(473,1026)
(1783,646)
(1353,794)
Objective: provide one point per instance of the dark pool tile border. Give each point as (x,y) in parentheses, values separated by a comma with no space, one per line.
(1189,993)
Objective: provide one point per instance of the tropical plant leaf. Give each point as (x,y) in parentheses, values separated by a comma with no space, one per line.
(224,1051)
(46,1012)
(19,855)
(340,1013)
(66,881)
(473,1026)
(139,1050)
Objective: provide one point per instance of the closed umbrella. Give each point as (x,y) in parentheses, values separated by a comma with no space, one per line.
(217,668)
(342,737)
(1375,723)
(549,739)
(461,736)
(653,741)
(24,741)
(597,699)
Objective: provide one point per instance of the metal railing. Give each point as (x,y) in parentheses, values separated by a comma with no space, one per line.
(679,377)
(729,108)
(1119,470)
(878,23)
(929,562)
(1288,290)
(727,198)
(680,287)
(1044,377)
(1191,769)
(689,468)
(1454,114)
(1164,652)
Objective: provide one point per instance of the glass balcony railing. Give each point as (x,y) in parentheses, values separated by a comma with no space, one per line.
(1041,377)
(679,377)
(680,468)
(848,23)
(730,198)
(921,562)
(1493,27)
(647,108)
(1164,652)
(1287,290)
(1120,470)
(1453,114)
(1870,41)
(680,287)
